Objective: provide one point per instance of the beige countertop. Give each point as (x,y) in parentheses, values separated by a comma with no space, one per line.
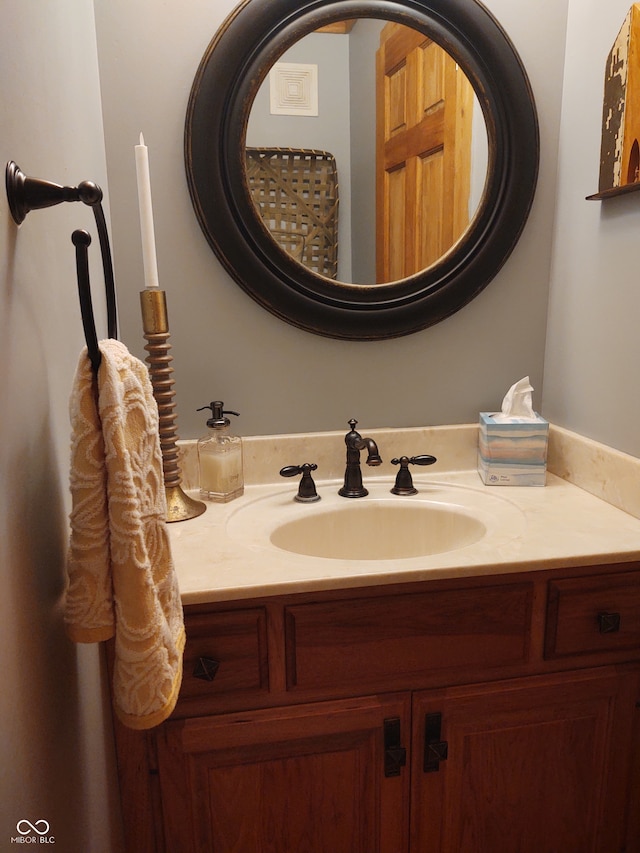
(588,513)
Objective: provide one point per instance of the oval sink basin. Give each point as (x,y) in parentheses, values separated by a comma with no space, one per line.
(379,530)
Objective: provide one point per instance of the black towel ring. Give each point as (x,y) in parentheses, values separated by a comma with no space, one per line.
(25,194)
(82,240)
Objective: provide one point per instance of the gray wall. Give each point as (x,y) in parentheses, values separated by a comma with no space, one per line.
(56,754)
(593,340)
(280,378)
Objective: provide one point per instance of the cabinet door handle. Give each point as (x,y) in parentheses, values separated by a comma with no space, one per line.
(206,668)
(435,749)
(608,623)
(395,755)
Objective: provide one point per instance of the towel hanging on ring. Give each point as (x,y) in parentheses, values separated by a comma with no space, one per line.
(121,577)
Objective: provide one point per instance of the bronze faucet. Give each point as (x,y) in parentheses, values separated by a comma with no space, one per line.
(353,487)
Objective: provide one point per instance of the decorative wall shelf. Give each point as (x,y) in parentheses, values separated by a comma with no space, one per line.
(614,191)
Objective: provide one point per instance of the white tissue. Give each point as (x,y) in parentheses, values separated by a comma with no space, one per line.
(517,405)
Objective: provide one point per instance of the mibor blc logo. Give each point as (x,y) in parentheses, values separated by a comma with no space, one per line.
(33,833)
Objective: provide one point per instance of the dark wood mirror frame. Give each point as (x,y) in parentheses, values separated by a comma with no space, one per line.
(236,62)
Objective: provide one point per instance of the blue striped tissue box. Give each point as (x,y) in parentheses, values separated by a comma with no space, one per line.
(512,454)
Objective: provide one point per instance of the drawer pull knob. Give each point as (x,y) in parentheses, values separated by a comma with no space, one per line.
(608,623)
(206,668)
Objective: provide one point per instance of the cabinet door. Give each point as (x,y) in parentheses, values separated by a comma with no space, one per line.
(308,778)
(539,765)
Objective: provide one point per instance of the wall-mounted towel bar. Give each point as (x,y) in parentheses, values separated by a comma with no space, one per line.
(25,194)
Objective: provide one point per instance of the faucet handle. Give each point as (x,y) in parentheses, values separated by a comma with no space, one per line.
(307,488)
(423,459)
(404,482)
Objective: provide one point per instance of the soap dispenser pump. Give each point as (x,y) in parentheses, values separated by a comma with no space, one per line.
(220,457)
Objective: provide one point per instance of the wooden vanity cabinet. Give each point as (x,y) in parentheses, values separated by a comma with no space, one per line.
(535,765)
(299,778)
(478,715)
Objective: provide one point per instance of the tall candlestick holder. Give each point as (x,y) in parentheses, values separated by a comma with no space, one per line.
(155,325)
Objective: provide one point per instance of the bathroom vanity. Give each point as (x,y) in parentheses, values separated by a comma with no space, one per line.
(485,698)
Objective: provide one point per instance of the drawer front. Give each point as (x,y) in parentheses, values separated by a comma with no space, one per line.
(406,640)
(590,615)
(225,659)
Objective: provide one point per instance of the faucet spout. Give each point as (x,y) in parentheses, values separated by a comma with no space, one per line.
(353,487)
(373,457)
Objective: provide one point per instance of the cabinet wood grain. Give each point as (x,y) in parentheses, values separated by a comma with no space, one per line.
(391,641)
(237,641)
(578,609)
(285,780)
(514,709)
(537,765)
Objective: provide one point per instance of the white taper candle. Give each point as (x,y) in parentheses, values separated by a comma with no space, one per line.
(146,215)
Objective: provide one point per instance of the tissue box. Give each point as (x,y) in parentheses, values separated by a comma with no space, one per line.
(512,454)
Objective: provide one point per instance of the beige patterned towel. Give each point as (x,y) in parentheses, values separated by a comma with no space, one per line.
(122,580)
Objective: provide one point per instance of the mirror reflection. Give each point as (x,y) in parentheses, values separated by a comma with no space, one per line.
(366,151)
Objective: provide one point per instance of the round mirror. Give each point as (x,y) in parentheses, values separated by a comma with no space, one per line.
(362,169)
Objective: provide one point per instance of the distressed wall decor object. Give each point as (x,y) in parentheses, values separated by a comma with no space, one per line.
(619,151)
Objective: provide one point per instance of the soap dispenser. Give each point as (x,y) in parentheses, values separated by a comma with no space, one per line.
(220,457)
